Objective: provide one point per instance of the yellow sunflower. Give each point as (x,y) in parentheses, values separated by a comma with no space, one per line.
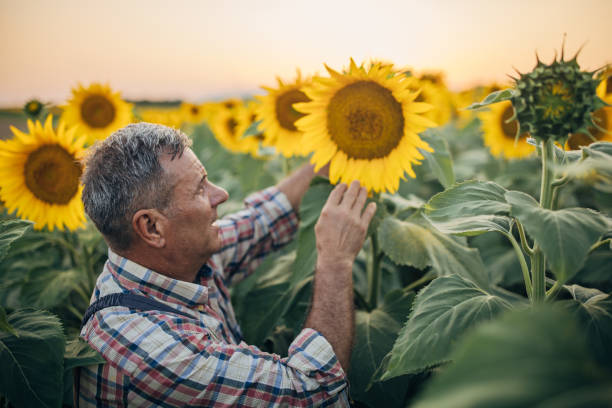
(602,133)
(435,95)
(246,116)
(193,113)
(604,89)
(278,116)
(97,110)
(225,125)
(33,108)
(499,134)
(168,117)
(39,175)
(365,123)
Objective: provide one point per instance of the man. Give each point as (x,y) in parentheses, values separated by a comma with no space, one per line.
(153,202)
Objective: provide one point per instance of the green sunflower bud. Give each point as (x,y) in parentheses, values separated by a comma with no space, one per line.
(33,108)
(555,100)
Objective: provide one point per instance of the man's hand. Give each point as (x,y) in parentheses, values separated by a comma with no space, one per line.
(342,226)
(340,233)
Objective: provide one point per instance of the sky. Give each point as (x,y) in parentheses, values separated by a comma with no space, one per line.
(207,50)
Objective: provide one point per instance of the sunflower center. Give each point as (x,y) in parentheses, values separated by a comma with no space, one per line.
(97,111)
(194,110)
(231,125)
(52,174)
(509,128)
(580,139)
(285,113)
(365,120)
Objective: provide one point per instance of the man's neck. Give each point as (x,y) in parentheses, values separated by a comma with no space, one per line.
(179,269)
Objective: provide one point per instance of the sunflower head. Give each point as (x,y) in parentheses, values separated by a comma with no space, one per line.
(40,175)
(278,115)
(555,100)
(33,108)
(365,123)
(193,112)
(499,129)
(97,110)
(228,126)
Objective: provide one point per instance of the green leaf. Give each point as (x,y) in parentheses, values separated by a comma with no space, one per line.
(469,208)
(310,210)
(79,353)
(11,230)
(494,97)
(440,161)
(5,325)
(49,288)
(32,364)
(565,235)
(593,310)
(442,312)
(252,130)
(528,358)
(375,333)
(418,244)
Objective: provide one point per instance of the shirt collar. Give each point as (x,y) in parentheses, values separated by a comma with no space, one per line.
(134,276)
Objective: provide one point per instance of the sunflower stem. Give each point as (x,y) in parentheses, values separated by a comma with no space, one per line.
(522,262)
(374,271)
(528,250)
(538,260)
(552,292)
(599,243)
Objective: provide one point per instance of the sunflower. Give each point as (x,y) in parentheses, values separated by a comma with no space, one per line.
(193,113)
(278,116)
(604,89)
(39,175)
(97,110)
(226,127)
(435,95)
(246,117)
(602,117)
(365,123)
(499,134)
(169,117)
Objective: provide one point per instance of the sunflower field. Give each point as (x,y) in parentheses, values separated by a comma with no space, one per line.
(486,277)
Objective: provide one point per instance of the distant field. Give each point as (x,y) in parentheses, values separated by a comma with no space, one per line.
(10,117)
(16,117)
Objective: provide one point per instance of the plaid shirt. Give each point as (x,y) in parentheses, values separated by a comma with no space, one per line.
(159,359)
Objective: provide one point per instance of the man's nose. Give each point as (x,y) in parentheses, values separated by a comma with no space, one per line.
(219,195)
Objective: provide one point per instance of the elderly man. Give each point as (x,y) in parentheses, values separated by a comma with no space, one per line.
(161,314)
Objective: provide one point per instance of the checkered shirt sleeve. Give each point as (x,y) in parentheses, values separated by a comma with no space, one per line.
(168,361)
(267,223)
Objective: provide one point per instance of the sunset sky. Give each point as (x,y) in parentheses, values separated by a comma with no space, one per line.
(201,50)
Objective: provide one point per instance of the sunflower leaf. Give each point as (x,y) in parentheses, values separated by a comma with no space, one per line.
(416,243)
(593,308)
(375,332)
(253,129)
(49,288)
(442,312)
(469,208)
(11,230)
(440,161)
(565,235)
(79,353)
(32,364)
(528,358)
(494,97)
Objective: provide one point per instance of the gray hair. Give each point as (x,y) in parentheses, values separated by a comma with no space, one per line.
(123,174)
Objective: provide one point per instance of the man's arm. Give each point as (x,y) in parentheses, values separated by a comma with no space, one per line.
(340,233)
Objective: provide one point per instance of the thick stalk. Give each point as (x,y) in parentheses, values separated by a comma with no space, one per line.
(374,271)
(538,260)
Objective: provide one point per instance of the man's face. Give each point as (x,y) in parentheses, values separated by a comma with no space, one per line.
(192,209)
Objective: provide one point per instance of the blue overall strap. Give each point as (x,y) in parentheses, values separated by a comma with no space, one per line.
(131,301)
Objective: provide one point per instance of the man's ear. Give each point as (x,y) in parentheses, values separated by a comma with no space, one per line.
(150,226)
